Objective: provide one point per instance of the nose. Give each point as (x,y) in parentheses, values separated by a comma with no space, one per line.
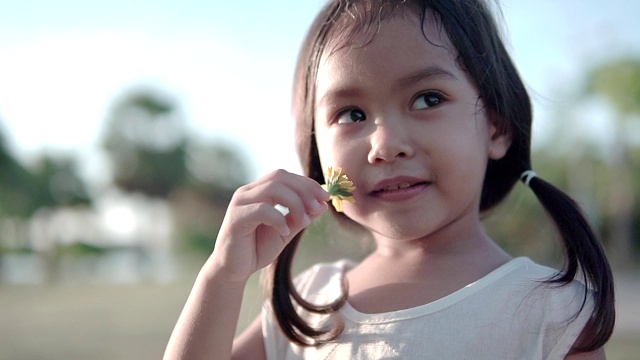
(390,141)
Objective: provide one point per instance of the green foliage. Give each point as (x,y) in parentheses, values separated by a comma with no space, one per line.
(216,167)
(80,249)
(520,225)
(199,242)
(151,153)
(53,182)
(15,185)
(146,142)
(619,82)
(216,170)
(57,182)
(153,173)
(20,250)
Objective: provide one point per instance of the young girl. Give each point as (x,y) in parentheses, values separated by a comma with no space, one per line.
(418,102)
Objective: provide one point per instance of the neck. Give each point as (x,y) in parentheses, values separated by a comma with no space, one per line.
(420,271)
(456,238)
(449,246)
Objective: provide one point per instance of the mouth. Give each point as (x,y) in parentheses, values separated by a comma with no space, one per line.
(399,186)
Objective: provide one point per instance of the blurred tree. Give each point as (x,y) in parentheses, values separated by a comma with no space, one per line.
(618,82)
(16,190)
(53,182)
(216,170)
(146,142)
(56,182)
(520,225)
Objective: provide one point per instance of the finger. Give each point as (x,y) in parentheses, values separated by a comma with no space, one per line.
(287,198)
(311,193)
(276,193)
(263,214)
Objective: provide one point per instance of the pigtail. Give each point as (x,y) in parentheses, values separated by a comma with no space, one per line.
(585,257)
(286,302)
(509,106)
(284,298)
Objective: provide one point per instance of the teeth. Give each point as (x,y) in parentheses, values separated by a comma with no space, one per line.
(396,187)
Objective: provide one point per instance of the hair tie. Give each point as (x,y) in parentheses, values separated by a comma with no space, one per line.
(527,176)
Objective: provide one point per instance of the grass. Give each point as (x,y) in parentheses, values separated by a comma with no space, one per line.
(97,320)
(111,321)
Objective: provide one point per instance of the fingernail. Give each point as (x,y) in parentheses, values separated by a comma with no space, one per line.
(316,206)
(285,231)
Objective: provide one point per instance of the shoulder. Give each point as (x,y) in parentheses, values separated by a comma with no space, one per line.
(521,289)
(327,268)
(559,311)
(319,283)
(539,279)
(533,285)
(323,281)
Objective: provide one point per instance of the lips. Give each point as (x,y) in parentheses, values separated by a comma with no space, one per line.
(399,183)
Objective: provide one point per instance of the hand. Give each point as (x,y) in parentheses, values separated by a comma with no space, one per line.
(253,232)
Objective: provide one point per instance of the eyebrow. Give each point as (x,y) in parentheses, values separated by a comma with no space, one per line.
(337,94)
(429,72)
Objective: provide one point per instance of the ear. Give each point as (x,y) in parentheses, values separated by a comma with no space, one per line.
(500,137)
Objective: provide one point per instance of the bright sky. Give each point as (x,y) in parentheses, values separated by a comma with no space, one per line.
(230,65)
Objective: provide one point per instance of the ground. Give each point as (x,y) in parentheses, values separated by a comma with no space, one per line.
(115,321)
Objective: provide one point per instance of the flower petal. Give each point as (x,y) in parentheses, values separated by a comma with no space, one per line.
(337,204)
(339,187)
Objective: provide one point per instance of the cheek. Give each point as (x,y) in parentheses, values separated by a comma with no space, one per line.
(323,144)
(329,146)
(336,149)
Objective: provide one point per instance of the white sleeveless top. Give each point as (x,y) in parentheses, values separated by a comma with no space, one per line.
(508,314)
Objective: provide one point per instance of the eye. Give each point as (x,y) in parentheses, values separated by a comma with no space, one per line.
(426,100)
(351,116)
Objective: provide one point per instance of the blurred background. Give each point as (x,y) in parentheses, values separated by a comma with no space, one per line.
(126,126)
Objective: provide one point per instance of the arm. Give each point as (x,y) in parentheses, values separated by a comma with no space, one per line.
(252,235)
(208,322)
(249,344)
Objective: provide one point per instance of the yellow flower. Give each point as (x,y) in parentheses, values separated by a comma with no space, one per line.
(339,187)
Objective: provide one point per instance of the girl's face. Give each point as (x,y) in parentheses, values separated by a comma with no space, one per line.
(406,124)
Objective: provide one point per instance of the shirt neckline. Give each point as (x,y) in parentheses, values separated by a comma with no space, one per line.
(421,310)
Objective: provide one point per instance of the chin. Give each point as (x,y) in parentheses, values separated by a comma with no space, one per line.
(400,231)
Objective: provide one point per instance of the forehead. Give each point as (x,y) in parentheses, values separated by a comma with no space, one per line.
(396,46)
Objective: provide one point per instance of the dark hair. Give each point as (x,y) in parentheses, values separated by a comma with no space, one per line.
(471,29)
